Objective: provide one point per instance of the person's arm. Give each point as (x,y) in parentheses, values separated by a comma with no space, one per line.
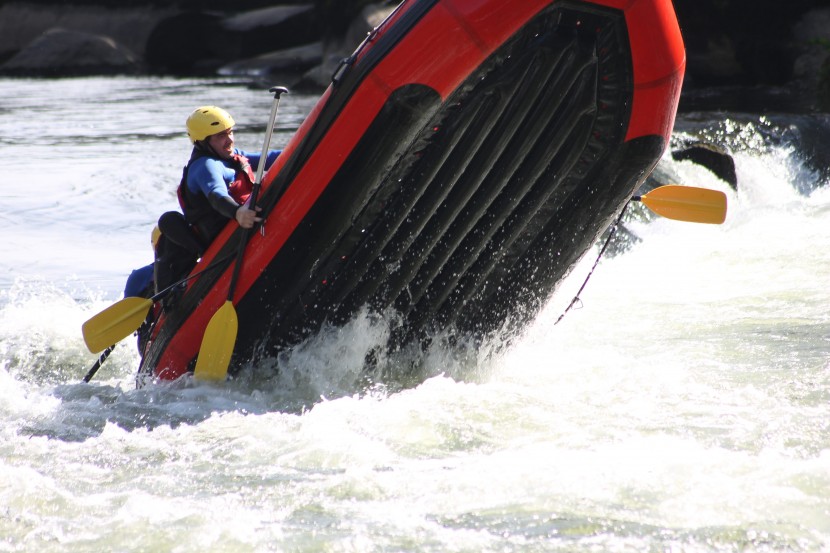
(208,178)
(254,158)
(224,204)
(227,206)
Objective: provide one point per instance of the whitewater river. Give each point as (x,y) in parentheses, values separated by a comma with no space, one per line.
(684,406)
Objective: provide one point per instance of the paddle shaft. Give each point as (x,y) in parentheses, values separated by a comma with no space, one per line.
(219,338)
(97,365)
(278,91)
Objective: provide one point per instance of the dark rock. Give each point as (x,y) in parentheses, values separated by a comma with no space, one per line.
(336,50)
(363,23)
(708,155)
(823,89)
(319,77)
(751,55)
(59,52)
(812,66)
(205,41)
(285,65)
(268,30)
(742,55)
(337,15)
(714,158)
(184,43)
(22,22)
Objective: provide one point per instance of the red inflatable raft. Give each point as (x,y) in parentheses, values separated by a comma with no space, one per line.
(460,163)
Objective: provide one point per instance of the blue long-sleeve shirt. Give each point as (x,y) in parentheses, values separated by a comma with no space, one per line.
(209,175)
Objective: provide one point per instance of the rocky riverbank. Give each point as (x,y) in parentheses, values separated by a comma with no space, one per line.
(289,43)
(745,55)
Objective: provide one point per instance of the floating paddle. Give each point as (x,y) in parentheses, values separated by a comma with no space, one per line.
(122,318)
(686,203)
(220,334)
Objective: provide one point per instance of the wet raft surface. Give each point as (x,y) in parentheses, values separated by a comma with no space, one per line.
(463,214)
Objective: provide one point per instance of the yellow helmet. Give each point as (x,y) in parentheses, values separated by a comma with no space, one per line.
(208,120)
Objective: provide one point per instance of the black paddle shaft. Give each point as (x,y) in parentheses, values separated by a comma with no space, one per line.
(97,365)
(277,91)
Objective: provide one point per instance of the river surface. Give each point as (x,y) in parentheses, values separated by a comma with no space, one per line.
(684,406)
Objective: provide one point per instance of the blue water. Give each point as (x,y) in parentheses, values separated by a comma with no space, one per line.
(683,406)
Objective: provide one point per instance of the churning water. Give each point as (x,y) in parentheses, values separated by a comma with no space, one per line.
(685,406)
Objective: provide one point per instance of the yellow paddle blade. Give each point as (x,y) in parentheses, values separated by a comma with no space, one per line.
(687,203)
(217,344)
(115,323)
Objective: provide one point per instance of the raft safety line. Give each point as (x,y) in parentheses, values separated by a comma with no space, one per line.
(591,272)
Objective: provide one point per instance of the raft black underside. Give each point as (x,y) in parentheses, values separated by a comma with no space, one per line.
(467,214)
(462,215)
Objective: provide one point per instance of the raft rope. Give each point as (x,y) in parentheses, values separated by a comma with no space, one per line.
(591,272)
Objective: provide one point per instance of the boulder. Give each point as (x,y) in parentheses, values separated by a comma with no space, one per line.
(754,55)
(823,86)
(129,25)
(61,52)
(287,65)
(370,17)
(202,41)
(711,156)
(271,29)
(336,50)
(812,65)
(742,55)
(182,43)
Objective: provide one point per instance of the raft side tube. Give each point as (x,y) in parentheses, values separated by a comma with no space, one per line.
(455,201)
(457,180)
